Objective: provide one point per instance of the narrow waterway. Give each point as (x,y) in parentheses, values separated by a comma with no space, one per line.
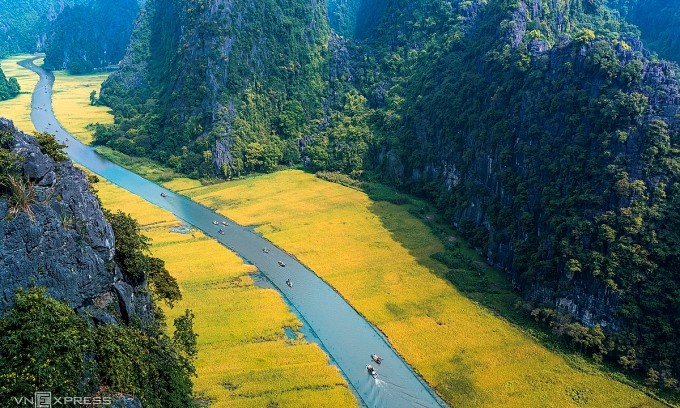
(348,339)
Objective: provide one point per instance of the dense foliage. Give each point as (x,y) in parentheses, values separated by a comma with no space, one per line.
(45,346)
(239,93)
(9,87)
(88,36)
(24,24)
(658,22)
(549,145)
(540,128)
(132,253)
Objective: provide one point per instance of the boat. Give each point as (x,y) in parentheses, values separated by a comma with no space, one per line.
(376,358)
(372,371)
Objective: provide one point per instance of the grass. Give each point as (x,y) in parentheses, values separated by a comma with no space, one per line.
(146,168)
(379,257)
(71,103)
(19,109)
(244,356)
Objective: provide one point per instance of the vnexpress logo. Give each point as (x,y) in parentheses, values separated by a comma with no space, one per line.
(43,399)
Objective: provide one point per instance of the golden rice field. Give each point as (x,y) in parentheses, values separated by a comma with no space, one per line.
(19,109)
(377,255)
(244,357)
(71,103)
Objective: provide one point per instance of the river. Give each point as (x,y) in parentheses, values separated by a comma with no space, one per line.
(327,318)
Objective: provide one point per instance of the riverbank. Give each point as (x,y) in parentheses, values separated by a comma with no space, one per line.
(328,320)
(18,109)
(378,256)
(245,358)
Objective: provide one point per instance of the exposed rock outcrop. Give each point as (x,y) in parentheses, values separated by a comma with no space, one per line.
(65,245)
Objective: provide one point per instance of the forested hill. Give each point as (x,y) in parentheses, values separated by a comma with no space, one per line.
(547,136)
(541,129)
(79,290)
(220,87)
(24,24)
(659,23)
(92,35)
(9,87)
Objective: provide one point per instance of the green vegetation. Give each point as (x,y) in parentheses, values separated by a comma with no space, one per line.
(658,21)
(44,345)
(89,36)
(9,88)
(49,145)
(132,253)
(265,99)
(237,323)
(25,22)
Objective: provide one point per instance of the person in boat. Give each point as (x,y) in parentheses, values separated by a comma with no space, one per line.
(289,283)
(370,369)
(375,358)
(281,264)
(215,223)
(221,231)
(163,195)
(265,250)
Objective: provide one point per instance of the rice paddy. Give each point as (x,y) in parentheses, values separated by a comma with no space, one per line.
(378,256)
(18,109)
(244,358)
(71,103)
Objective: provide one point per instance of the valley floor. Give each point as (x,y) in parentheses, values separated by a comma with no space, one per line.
(378,256)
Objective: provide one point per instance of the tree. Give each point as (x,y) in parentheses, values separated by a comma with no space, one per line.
(43,346)
(93,97)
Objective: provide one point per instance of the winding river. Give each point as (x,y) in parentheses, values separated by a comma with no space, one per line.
(327,318)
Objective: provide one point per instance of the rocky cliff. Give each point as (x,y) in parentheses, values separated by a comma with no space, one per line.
(225,79)
(546,133)
(61,241)
(24,24)
(90,36)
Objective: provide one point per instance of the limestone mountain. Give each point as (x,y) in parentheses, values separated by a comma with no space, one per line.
(24,24)
(222,87)
(91,35)
(76,309)
(542,129)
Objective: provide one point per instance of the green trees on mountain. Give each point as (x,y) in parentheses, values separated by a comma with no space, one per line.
(88,36)
(9,88)
(24,24)
(548,160)
(44,345)
(658,23)
(536,128)
(239,93)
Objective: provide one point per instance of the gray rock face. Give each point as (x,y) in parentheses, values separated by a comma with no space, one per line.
(66,245)
(586,298)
